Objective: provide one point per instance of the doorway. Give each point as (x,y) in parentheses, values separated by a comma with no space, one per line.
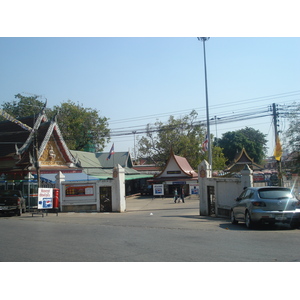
(211,200)
(105,199)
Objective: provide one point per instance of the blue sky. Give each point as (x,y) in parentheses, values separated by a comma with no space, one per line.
(138,62)
(134,81)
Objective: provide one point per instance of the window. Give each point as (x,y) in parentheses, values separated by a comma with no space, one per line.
(279,193)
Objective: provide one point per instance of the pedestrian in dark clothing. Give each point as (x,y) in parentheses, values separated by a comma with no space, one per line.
(182,195)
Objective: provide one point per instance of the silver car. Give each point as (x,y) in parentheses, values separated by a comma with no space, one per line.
(266,205)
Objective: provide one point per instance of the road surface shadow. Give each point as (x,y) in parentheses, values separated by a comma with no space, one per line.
(262,227)
(226,225)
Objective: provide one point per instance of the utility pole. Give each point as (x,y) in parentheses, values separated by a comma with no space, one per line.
(275,116)
(134,132)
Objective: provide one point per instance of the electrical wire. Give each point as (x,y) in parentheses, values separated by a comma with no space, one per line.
(224,117)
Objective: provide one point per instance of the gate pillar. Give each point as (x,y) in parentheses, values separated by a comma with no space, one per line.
(119,201)
(247,177)
(204,173)
(60,177)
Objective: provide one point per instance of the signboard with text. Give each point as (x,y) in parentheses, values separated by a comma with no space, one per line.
(158,189)
(79,190)
(45,198)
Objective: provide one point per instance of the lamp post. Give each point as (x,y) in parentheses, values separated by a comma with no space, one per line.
(204,39)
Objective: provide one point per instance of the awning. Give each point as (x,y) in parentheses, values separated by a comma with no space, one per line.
(138,176)
(69,177)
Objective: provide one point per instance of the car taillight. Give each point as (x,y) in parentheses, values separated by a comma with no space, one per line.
(19,201)
(258,203)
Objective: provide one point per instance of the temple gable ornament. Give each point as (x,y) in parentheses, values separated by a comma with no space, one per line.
(51,155)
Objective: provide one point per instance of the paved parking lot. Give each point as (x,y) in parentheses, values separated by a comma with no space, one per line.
(142,203)
(152,229)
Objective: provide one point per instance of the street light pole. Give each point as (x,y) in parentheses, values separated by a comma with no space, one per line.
(204,39)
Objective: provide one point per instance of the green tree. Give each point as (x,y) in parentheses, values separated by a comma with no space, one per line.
(23,106)
(252,140)
(292,134)
(291,138)
(82,127)
(184,136)
(218,158)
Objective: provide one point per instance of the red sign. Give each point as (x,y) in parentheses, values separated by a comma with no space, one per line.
(79,190)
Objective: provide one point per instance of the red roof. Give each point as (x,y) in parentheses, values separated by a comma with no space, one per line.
(182,164)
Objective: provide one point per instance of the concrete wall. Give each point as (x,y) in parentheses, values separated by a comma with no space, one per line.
(85,195)
(226,190)
(85,201)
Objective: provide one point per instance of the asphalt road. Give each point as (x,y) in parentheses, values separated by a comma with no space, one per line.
(151,230)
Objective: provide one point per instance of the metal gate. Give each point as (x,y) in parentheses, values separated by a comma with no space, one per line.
(211,200)
(105,199)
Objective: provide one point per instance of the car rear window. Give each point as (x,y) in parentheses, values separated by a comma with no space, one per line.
(275,193)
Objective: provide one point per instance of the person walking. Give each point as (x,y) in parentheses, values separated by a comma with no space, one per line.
(175,195)
(182,194)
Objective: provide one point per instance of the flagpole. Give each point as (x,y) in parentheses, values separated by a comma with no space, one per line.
(111,153)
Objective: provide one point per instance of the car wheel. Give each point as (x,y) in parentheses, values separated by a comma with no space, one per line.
(294,224)
(248,220)
(232,218)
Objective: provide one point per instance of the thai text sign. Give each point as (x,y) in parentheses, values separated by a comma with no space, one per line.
(79,190)
(45,198)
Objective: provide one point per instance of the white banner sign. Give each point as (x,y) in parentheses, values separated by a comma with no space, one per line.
(158,189)
(194,189)
(45,198)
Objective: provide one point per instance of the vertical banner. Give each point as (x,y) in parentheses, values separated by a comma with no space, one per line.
(45,198)
(158,189)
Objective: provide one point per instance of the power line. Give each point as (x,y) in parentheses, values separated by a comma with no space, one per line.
(212,107)
(224,117)
(227,119)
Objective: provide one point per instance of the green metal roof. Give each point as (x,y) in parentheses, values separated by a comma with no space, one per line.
(108,174)
(118,158)
(86,159)
(97,165)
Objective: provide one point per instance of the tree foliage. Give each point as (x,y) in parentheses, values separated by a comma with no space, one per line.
(292,134)
(218,158)
(184,136)
(82,128)
(23,106)
(292,138)
(252,140)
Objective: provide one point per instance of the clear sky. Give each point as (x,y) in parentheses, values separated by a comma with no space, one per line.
(136,80)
